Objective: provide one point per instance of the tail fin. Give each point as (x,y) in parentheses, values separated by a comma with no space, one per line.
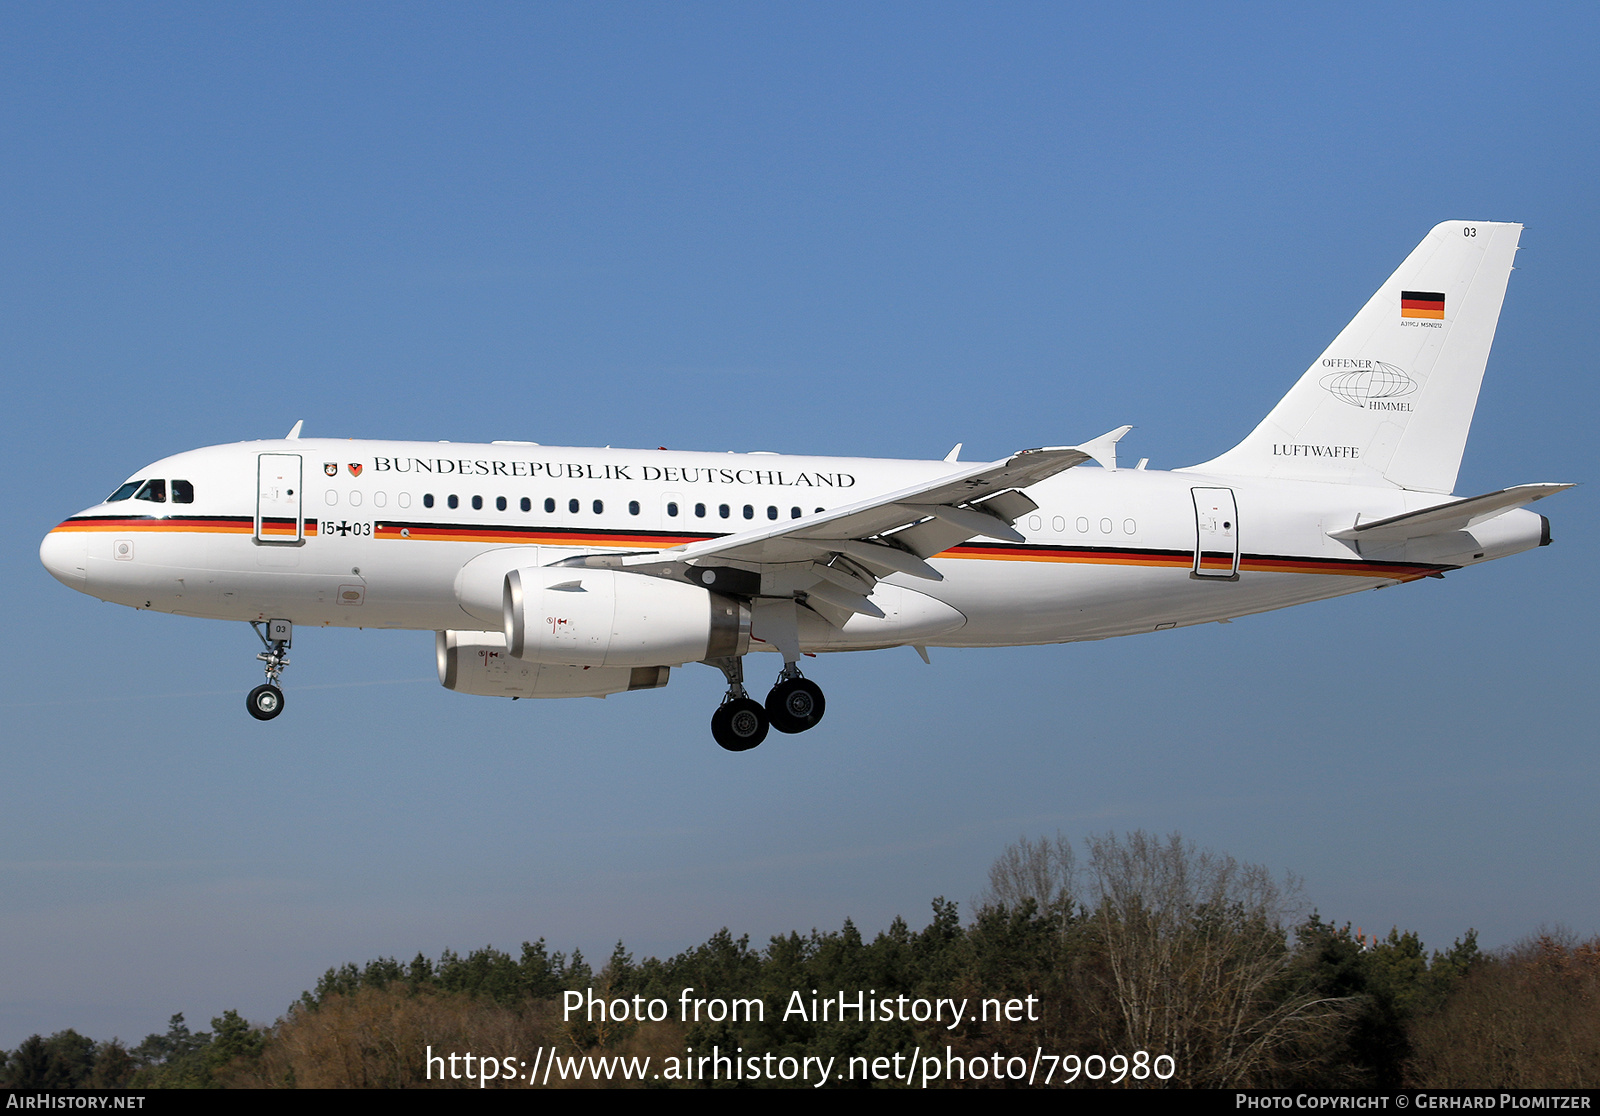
(1391,400)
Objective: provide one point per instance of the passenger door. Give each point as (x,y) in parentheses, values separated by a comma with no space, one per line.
(279,495)
(1216,544)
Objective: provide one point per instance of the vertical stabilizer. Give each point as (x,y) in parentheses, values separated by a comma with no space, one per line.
(1391,400)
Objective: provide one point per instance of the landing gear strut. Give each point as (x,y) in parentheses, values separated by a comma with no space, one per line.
(795,703)
(266,701)
(739,723)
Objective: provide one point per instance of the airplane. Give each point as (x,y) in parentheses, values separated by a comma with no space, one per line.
(564,572)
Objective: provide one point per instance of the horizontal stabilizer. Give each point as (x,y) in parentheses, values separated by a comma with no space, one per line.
(1457,515)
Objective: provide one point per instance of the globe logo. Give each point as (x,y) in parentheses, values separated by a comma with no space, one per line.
(1358,386)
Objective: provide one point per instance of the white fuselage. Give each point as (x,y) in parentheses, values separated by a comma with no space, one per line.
(376,534)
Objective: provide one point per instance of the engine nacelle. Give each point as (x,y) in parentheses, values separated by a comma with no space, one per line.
(609,618)
(477,663)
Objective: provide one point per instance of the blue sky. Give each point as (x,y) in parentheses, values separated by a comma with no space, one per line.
(825,228)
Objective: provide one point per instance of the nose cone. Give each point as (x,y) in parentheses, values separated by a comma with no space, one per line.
(65,554)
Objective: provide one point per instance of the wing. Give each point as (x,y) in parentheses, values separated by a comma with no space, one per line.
(832,560)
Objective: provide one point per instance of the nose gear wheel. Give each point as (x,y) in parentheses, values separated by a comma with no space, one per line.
(264,702)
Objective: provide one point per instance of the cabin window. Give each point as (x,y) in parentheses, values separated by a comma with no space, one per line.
(355,498)
(672,510)
(182,492)
(331,497)
(819,511)
(572,506)
(477,503)
(549,504)
(599,507)
(427,499)
(724,511)
(453,500)
(794,513)
(1105,526)
(633,507)
(699,511)
(1083,525)
(772,512)
(499,503)
(380,499)
(1058,525)
(405,499)
(124,492)
(527,504)
(154,490)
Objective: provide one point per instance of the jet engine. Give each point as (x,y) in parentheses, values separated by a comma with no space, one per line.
(610,618)
(477,663)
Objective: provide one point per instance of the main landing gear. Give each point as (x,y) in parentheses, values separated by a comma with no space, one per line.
(794,704)
(266,701)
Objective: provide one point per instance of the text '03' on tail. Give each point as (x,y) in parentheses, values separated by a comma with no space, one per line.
(1391,400)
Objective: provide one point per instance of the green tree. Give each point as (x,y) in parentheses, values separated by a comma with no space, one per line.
(113,1066)
(28,1066)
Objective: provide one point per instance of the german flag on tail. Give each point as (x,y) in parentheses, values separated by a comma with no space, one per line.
(1421,304)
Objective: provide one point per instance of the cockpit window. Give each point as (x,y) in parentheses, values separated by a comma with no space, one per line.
(154,490)
(182,492)
(124,492)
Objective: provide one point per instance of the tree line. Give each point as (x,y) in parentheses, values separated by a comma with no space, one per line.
(1139,943)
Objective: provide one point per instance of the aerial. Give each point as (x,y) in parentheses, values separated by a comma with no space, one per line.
(1345,486)
(838,242)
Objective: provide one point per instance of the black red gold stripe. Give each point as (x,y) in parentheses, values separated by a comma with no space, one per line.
(1147,557)
(532,535)
(1184,559)
(1421,304)
(189,524)
(1005,552)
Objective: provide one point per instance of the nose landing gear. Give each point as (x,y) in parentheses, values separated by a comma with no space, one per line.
(266,701)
